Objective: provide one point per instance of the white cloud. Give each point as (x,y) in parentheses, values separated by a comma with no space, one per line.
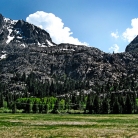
(115,35)
(114,48)
(131,33)
(54,26)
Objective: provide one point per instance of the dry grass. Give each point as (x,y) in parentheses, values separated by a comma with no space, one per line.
(66,126)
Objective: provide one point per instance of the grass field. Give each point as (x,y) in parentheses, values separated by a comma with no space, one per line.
(66,126)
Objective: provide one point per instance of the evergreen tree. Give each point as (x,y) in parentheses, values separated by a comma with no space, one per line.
(40,107)
(134,102)
(116,106)
(112,100)
(89,104)
(96,104)
(128,105)
(28,106)
(67,103)
(46,108)
(23,78)
(121,100)
(14,108)
(105,106)
(35,107)
(56,107)
(1,100)
(8,100)
(74,101)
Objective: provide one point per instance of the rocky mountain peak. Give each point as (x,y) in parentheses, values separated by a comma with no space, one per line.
(33,34)
(133,45)
(23,34)
(1,21)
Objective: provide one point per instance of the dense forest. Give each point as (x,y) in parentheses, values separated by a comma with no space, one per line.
(64,95)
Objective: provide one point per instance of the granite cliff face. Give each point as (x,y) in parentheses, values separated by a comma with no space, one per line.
(27,48)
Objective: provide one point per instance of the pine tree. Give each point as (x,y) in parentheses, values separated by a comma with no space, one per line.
(8,100)
(105,106)
(122,104)
(46,108)
(67,103)
(23,78)
(134,103)
(1,100)
(35,107)
(96,104)
(40,107)
(112,100)
(28,106)
(74,101)
(56,107)
(14,108)
(128,105)
(116,106)
(89,104)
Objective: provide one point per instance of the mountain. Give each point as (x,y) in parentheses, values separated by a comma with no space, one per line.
(133,45)
(22,34)
(26,48)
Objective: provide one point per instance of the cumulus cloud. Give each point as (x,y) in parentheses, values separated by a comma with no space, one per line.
(115,34)
(54,26)
(131,33)
(114,48)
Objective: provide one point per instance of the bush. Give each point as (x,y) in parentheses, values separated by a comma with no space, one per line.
(5,110)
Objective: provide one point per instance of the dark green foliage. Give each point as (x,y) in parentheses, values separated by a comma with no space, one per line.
(28,106)
(1,100)
(89,104)
(67,94)
(105,106)
(116,106)
(56,107)
(96,105)
(128,105)
(35,107)
(46,108)
(41,107)
(14,108)
(23,78)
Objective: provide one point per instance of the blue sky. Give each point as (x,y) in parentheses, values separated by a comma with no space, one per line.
(109,25)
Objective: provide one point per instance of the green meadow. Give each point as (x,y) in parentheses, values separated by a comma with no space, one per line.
(68,125)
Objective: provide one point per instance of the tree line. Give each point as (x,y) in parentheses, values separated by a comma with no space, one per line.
(64,94)
(83,103)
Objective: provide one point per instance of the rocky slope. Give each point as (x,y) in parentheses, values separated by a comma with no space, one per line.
(133,45)
(27,48)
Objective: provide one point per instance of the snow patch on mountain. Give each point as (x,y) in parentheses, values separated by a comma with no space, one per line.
(3,56)
(9,24)
(9,21)
(49,43)
(42,45)
(23,45)
(10,38)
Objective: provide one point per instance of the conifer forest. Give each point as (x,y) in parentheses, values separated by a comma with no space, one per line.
(70,96)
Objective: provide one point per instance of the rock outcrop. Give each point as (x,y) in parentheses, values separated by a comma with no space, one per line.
(1,21)
(133,45)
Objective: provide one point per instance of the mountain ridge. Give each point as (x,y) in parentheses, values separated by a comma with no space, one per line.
(23,33)
(30,49)
(133,45)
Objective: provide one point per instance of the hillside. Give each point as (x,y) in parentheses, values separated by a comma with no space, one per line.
(25,48)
